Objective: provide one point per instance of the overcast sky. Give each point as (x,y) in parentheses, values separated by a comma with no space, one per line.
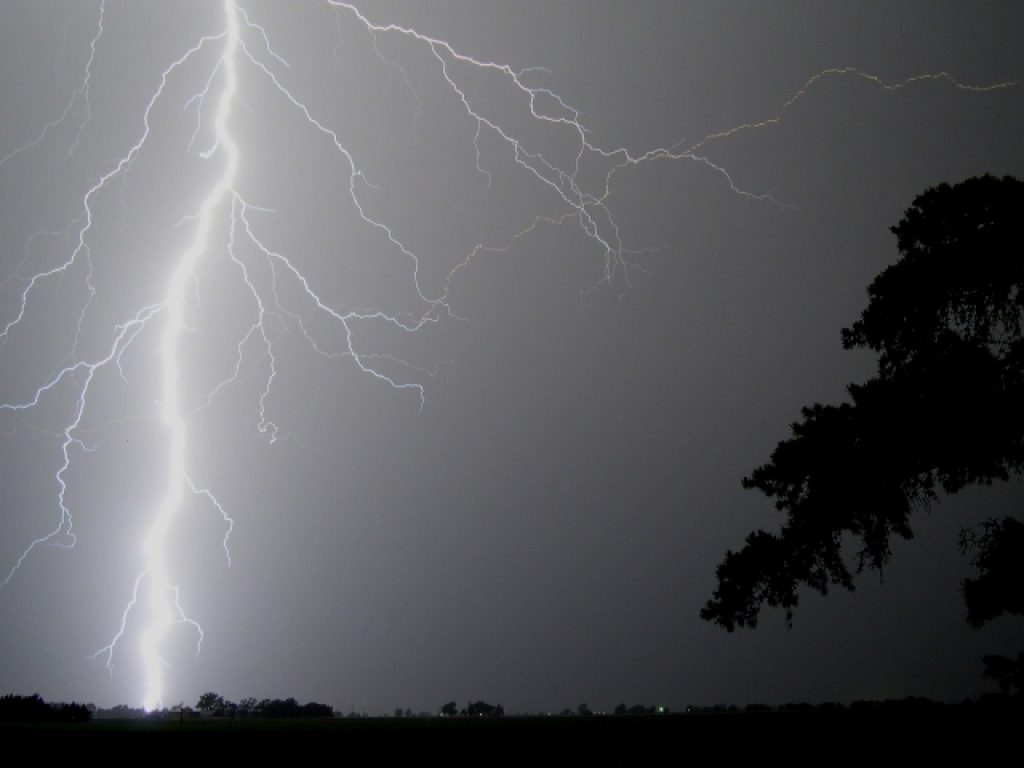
(533,513)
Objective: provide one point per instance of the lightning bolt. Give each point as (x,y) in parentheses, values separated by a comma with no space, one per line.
(158,580)
(267,273)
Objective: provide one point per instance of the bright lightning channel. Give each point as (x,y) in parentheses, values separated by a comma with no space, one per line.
(158,582)
(572,203)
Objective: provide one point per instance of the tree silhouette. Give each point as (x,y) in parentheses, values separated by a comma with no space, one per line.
(32,709)
(945,410)
(210,702)
(1000,562)
(998,589)
(483,709)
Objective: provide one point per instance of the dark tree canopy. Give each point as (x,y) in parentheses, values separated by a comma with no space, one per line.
(945,410)
(999,587)
(483,709)
(210,701)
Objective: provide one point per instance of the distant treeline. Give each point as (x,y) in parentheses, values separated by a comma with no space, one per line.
(909,703)
(291,708)
(32,709)
(215,705)
(473,709)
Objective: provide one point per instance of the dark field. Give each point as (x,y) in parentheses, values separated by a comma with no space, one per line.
(943,734)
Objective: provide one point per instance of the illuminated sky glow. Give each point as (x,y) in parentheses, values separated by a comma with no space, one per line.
(382,355)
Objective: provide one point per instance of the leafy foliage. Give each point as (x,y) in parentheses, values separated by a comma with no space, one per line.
(945,410)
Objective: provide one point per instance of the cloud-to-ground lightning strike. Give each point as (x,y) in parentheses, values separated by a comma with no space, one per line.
(245,53)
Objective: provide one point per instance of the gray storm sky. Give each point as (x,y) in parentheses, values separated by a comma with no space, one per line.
(545,529)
